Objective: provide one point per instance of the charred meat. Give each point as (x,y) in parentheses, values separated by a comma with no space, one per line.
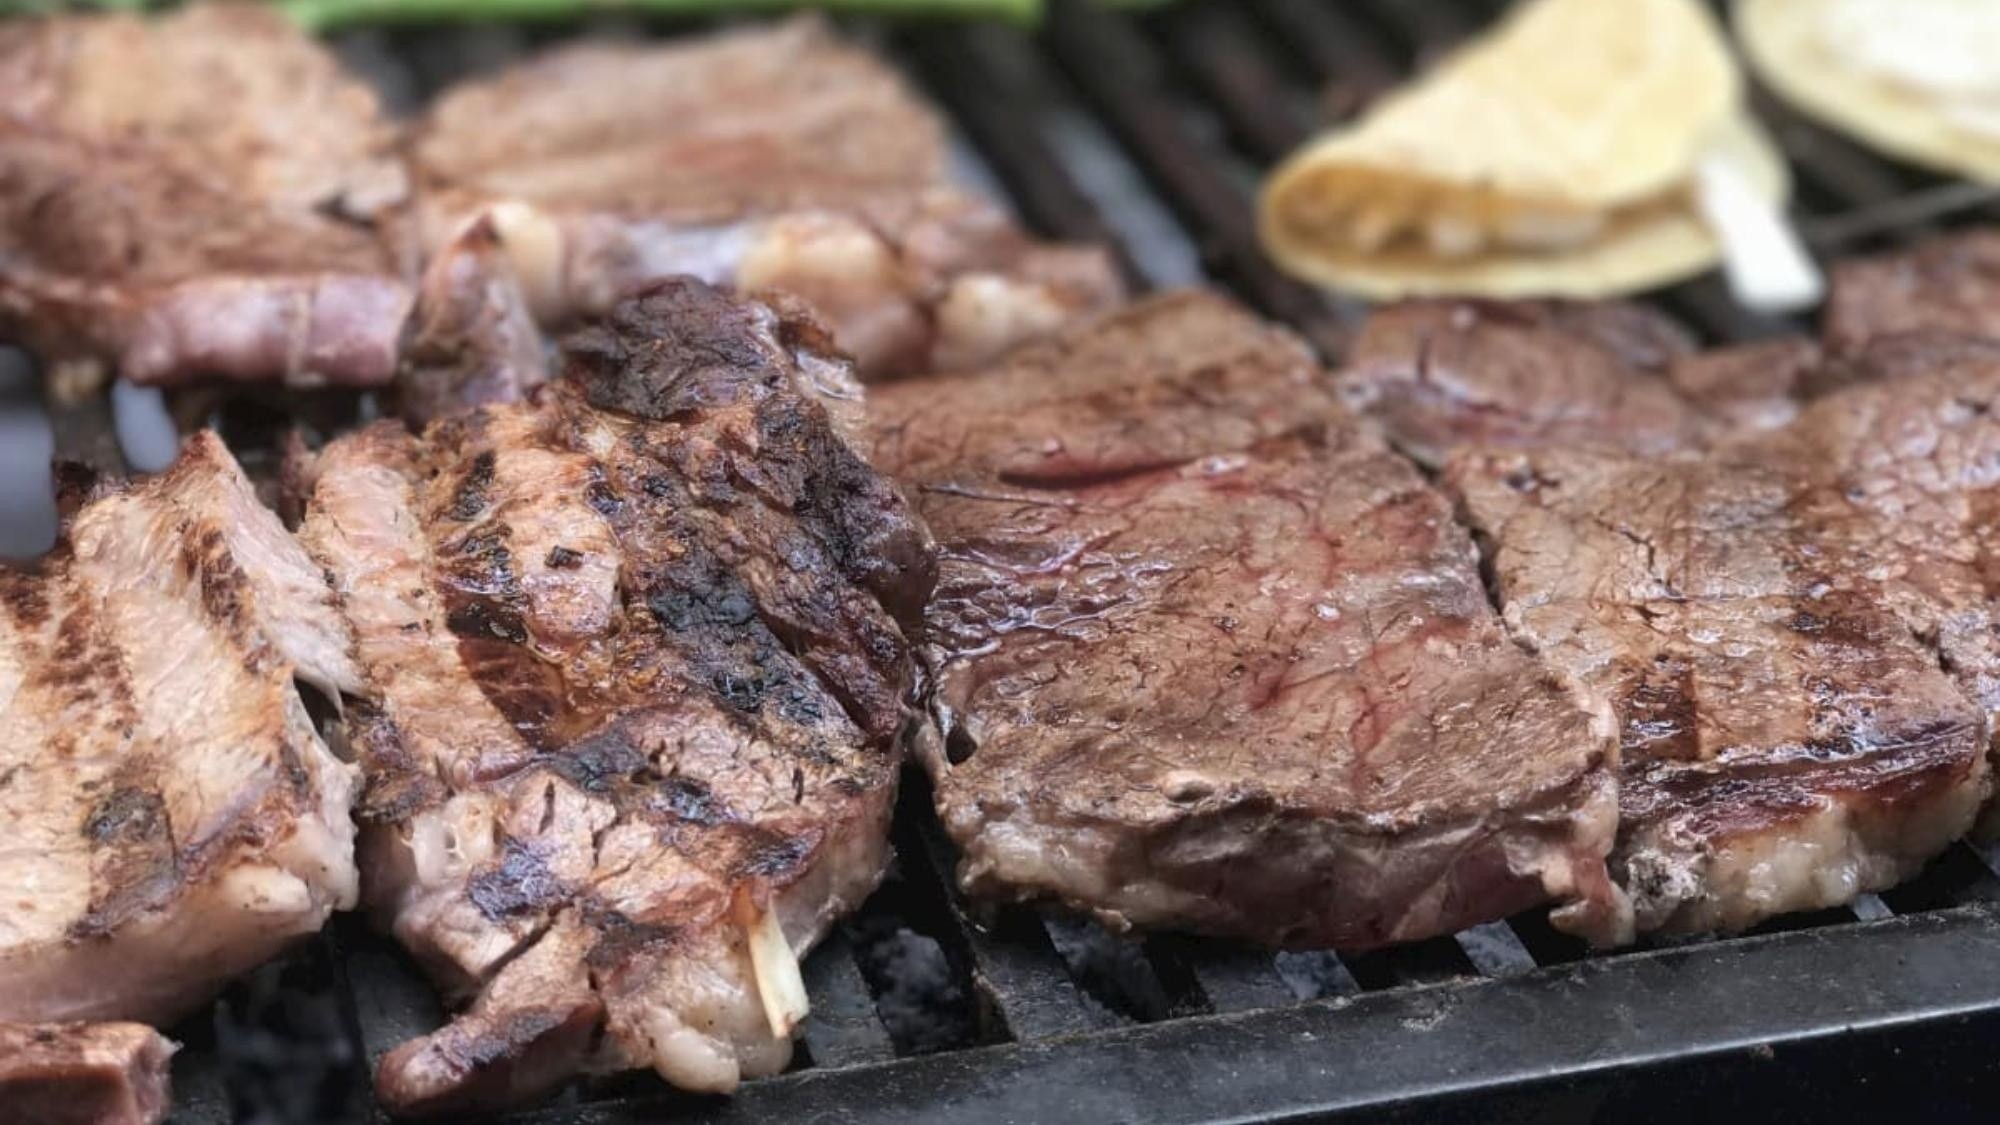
(196,195)
(779,158)
(83,1074)
(173,816)
(637,680)
(1209,656)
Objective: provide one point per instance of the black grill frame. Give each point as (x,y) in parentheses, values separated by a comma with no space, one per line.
(1092,124)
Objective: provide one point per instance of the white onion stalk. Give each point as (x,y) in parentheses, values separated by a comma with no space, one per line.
(775,967)
(1767,266)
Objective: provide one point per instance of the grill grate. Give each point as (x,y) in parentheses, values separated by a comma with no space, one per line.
(1149,132)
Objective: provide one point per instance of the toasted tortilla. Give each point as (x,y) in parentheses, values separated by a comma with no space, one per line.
(1580,110)
(1640,249)
(1785,42)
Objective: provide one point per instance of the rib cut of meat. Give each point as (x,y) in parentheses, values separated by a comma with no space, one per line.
(1208,656)
(1949,284)
(1795,631)
(195,195)
(774,158)
(1440,375)
(83,1074)
(638,681)
(173,816)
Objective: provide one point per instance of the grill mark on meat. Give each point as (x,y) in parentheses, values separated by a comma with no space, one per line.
(520,883)
(25,601)
(134,862)
(470,499)
(396,784)
(597,763)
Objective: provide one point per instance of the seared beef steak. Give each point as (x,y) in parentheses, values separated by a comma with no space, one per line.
(83,1074)
(1769,622)
(1437,375)
(638,674)
(172,816)
(776,158)
(1208,656)
(195,195)
(1949,284)
(1440,375)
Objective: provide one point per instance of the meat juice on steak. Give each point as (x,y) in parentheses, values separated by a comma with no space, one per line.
(777,158)
(637,682)
(197,195)
(1206,655)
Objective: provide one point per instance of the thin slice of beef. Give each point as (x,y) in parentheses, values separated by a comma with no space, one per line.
(1795,630)
(1948,284)
(1441,375)
(83,1074)
(637,684)
(775,158)
(195,195)
(1208,656)
(173,817)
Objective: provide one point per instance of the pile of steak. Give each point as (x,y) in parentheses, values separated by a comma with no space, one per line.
(1207,655)
(777,158)
(195,195)
(173,816)
(636,679)
(83,1074)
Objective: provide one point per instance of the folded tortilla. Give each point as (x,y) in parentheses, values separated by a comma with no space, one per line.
(1554,156)
(1917,79)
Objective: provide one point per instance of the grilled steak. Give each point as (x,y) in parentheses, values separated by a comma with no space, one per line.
(1439,375)
(1208,656)
(638,681)
(83,1074)
(1949,284)
(173,817)
(195,195)
(1779,625)
(775,158)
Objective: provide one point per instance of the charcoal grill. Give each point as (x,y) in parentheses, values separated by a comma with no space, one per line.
(1148,132)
